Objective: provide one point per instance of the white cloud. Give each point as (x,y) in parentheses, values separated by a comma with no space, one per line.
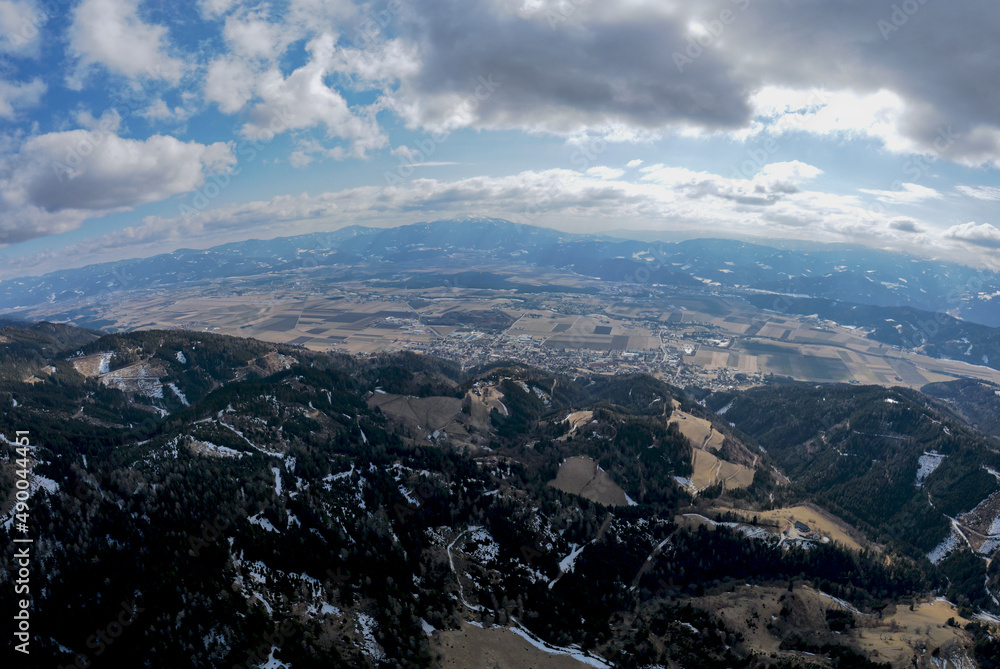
(111,33)
(989,193)
(302,100)
(21,23)
(774,203)
(159,110)
(229,83)
(15,96)
(786,175)
(56,181)
(380,63)
(214,8)
(907,194)
(253,35)
(830,114)
(633,163)
(982,234)
(602,172)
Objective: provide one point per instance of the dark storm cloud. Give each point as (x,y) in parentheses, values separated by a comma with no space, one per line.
(560,74)
(564,66)
(905,225)
(941,57)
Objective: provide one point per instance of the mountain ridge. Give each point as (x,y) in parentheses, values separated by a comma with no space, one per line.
(871,277)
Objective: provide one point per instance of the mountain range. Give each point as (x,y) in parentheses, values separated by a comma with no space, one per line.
(856,275)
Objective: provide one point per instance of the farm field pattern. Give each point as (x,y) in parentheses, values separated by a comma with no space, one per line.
(704,338)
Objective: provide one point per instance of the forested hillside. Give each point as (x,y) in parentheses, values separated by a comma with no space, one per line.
(250,504)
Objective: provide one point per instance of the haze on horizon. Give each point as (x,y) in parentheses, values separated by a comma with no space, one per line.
(130,128)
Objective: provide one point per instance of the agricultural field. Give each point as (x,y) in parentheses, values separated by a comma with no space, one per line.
(822,523)
(766,614)
(576,420)
(428,413)
(497,648)
(710,470)
(581,476)
(484,398)
(897,637)
(699,431)
(430,417)
(683,338)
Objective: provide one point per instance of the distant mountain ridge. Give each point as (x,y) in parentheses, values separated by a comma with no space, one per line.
(863,276)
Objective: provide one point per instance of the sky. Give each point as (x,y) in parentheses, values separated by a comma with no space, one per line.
(134,127)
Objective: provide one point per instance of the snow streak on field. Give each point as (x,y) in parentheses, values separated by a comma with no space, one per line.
(573,652)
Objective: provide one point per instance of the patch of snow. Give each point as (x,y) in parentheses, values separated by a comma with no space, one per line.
(409,498)
(260,521)
(943,549)
(487,550)
(751,531)
(179,394)
(545,647)
(367,627)
(49,485)
(273,663)
(987,617)
(277,481)
(926,465)
(844,604)
(181,358)
(568,563)
(221,451)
